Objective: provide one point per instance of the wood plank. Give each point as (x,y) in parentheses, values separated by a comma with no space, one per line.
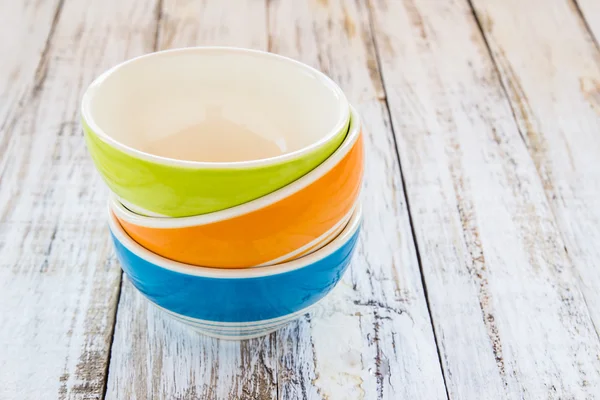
(58,281)
(556,99)
(372,338)
(590,11)
(213,23)
(167,360)
(23,58)
(154,357)
(510,319)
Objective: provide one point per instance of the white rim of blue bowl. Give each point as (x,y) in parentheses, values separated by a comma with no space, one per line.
(227,273)
(327,81)
(341,224)
(163,222)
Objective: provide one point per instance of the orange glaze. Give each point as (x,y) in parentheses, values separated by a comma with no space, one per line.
(322,242)
(268,233)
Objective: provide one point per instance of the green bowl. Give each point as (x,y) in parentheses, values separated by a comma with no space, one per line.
(192,131)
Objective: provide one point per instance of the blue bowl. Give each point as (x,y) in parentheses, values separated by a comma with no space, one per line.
(236,303)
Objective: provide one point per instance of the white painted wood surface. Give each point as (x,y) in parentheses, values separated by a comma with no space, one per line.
(556,100)
(506,214)
(590,10)
(510,319)
(58,279)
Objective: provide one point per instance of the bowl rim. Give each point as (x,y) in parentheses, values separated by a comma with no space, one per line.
(239,273)
(160,222)
(341,124)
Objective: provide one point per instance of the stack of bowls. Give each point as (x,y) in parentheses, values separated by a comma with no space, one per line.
(235,178)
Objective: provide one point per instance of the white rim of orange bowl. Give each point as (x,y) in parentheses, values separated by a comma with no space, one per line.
(317,243)
(228,273)
(182,222)
(327,81)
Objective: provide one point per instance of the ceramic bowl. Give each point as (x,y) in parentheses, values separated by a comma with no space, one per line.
(277,227)
(196,130)
(240,303)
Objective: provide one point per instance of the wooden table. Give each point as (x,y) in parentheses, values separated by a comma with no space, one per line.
(478,271)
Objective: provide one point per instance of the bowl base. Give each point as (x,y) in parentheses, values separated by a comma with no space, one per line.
(236,330)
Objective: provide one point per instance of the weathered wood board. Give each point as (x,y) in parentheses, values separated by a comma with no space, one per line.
(590,11)
(58,281)
(555,96)
(477,269)
(510,319)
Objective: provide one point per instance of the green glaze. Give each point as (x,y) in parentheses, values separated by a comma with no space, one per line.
(183,191)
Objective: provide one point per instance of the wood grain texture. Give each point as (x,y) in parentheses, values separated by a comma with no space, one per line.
(590,11)
(510,319)
(213,23)
(372,338)
(556,99)
(154,357)
(23,57)
(58,280)
(506,214)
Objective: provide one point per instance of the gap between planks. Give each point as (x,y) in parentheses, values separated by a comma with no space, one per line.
(541,139)
(428,72)
(589,13)
(406,199)
(522,133)
(159,14)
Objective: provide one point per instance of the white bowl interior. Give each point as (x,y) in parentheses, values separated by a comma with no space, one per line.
(215,105)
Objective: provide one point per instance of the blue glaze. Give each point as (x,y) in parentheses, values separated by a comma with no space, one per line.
(245,299)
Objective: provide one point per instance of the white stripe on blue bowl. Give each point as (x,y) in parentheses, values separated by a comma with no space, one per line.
(236,330)
(236,303)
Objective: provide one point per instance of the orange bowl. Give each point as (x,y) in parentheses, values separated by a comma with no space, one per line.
(286,224)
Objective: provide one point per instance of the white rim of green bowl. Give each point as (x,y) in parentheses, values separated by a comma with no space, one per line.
(228,273)
(327,81)
(271,198)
